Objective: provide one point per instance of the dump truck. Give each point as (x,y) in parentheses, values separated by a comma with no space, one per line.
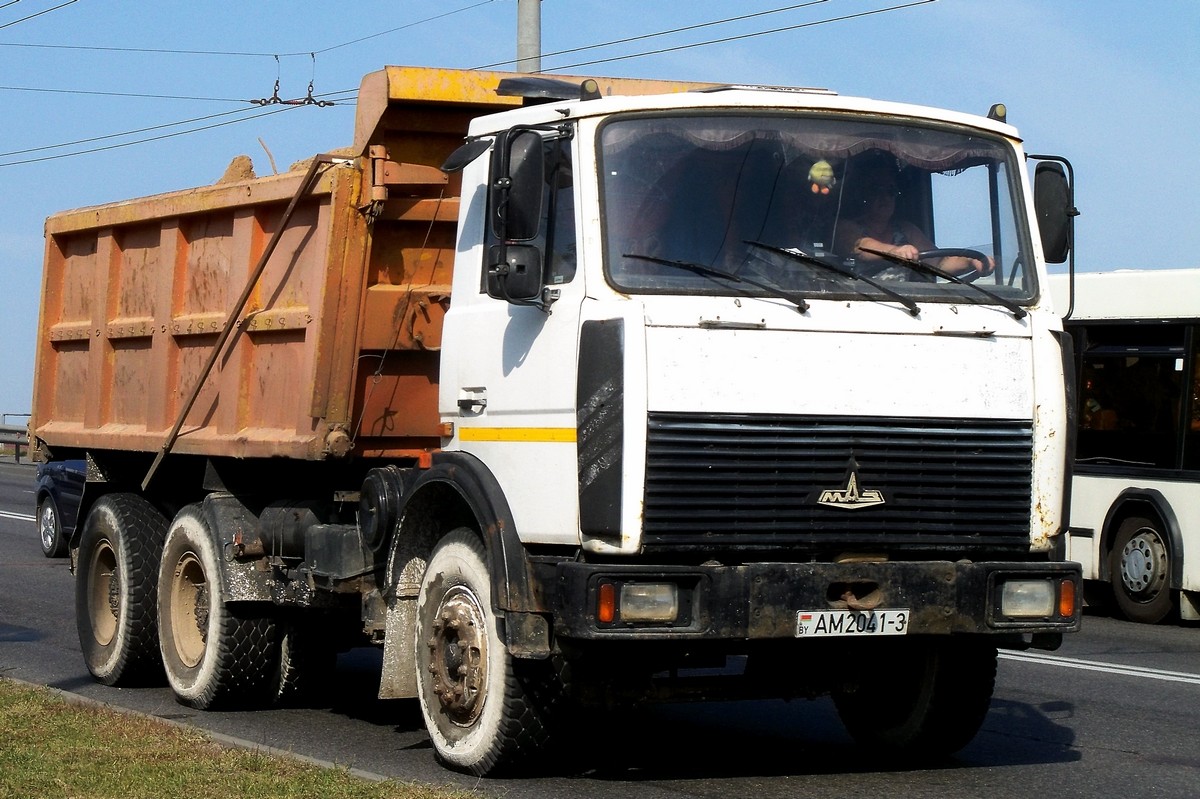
(573,394)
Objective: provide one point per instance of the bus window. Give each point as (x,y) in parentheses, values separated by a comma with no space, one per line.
(1132,396)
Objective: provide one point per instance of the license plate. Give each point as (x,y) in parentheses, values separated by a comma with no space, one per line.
(825,623)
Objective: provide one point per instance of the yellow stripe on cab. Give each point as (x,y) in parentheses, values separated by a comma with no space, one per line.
(563,435)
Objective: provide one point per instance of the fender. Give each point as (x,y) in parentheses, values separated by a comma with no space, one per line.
(231,523)
(1162,508)
(513,591)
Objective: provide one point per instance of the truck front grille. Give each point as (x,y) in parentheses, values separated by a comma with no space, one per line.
(755,482)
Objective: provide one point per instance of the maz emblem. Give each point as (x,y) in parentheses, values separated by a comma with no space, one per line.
(851,497)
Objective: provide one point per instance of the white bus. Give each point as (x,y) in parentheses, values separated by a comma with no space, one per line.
(1135,506)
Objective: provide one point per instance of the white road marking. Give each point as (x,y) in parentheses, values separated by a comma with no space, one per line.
(1107,668)
(21,517)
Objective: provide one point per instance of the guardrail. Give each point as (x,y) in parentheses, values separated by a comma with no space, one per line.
(13,438)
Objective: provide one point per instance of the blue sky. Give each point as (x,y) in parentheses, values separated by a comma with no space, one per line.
(1111,84)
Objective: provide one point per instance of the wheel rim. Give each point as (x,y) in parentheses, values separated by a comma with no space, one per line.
(46,525)
(104,599)
(458,656)
(189,609)
(1144,563)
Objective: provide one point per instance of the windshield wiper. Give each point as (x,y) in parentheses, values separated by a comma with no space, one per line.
(1017,311)
(775,291)
(812,260)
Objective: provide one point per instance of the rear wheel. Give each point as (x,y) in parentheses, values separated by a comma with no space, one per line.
(213,653)
(54,544)
(1140,571)
(923,700)
(116,589)
(307,663)
(485,711)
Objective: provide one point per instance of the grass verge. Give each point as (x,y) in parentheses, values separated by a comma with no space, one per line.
(51,747)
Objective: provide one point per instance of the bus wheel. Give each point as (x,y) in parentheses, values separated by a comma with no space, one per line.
(920,700)
(483,712)
(213,652)
(1140,571)
(115,581)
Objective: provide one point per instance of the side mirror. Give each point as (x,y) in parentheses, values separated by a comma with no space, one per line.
(518,185)
(1052,200)
(515,273)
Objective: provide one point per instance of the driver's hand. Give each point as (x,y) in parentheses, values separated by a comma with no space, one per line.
(908,251)
(983,267)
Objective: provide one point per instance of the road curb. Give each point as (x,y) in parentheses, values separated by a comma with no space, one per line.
(218,737)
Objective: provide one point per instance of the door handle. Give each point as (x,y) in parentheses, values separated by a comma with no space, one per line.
(472,400)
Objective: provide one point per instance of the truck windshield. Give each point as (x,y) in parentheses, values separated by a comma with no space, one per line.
(731,191)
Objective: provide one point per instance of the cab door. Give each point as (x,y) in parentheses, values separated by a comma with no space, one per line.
(509,358)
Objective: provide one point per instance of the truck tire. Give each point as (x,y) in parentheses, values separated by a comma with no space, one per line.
(921,700)
(213,653)
(1140,571)
(485,711)
(54,543)
(115,589)
(306,664)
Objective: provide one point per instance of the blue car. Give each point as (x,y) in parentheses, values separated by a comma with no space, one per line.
(59,490)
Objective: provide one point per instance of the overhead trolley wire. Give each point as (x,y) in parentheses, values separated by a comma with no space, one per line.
(670,32)
(108,136)
(403,27)
(742,36)
(349,93)
(135,132)
(149,138)
(124,94)
(17,22)
(32,16)
(232,53)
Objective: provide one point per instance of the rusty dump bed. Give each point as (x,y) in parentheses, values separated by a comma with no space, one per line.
(338,342)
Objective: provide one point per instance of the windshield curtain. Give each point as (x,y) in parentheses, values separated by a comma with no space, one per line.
(710,190)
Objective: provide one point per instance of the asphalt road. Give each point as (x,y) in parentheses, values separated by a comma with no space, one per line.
(1111,714)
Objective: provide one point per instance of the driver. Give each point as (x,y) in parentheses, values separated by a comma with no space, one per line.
(877,227)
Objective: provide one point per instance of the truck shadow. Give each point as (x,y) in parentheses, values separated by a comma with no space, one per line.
(775,738)
(733,739)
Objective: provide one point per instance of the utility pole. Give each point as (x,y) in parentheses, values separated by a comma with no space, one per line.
(529,35)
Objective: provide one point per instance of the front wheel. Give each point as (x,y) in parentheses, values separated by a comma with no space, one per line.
(213,653)
(480,705)
(1140,571)
(116,589)
(921,700)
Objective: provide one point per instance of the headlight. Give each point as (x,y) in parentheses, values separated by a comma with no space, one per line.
(637,603)
(650,602)
(1027,599)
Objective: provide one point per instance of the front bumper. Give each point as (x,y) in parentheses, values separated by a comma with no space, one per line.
(762,600)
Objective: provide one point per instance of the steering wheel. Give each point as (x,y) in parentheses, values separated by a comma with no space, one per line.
(956,252)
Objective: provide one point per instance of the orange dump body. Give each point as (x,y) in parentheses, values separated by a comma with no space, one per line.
(336,351)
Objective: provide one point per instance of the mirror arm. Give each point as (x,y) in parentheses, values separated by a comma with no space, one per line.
(1072,211)
(543,302)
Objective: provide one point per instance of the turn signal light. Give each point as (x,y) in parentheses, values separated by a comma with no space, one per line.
(606,603)
(1066,599)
